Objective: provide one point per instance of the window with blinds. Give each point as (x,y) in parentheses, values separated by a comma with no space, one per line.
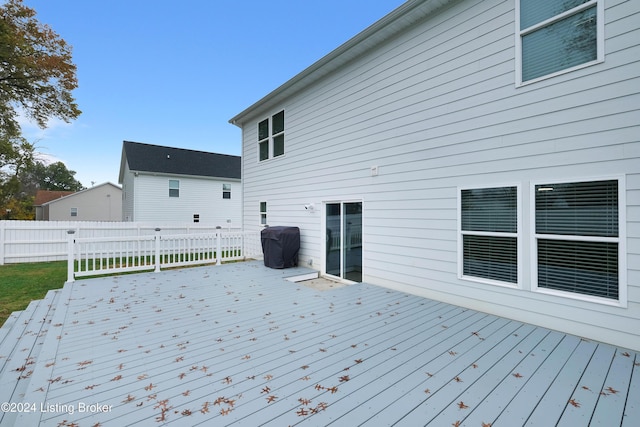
(577,237)
(489,234)
(555,36)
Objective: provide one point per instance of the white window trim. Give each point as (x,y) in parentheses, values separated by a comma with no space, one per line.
(621,240)
(176,188)
(263,213)
(270,138)
(517,235)
(226,190)
(520,33)
(323,226)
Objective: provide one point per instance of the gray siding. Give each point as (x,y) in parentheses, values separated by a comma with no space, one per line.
(100,203)
(436,108)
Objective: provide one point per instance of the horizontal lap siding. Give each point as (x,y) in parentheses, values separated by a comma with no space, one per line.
(436,108)
(128,194)
(197,196)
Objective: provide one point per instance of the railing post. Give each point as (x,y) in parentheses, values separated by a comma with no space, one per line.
(218,245)
(70,255)
(157,243)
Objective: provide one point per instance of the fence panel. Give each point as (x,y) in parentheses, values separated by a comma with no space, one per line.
(38,241)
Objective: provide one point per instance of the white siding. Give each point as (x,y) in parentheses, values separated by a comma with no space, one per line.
(200,196)
(436,108)
(128,193)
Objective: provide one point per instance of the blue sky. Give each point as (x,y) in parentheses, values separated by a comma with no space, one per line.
(174,73)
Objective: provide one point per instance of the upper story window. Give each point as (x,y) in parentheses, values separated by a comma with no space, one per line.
(271,137)
(74,211)
(174,188)
(226,191)
(554,36)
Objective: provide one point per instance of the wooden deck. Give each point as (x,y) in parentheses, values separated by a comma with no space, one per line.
(238,345)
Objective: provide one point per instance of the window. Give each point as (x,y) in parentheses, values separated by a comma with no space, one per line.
(557,36)
(226,191)
(174,188)
(196,217)
(489,230)
(271,137)
(263,213)
(74,211)
(577,238)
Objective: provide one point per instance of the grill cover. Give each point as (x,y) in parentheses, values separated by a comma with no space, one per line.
(280,246)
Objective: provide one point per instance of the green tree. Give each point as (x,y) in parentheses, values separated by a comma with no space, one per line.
(16,158)
(37,74)
(54,177)
(22,175)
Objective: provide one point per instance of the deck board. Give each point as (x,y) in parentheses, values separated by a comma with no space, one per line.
(613,396)
(239,345)
(557,397)
(632,409)
(587,393)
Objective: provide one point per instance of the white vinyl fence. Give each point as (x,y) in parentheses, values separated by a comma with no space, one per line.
(38,241)
(108,255)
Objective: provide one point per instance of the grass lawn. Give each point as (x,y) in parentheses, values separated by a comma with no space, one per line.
(22,283)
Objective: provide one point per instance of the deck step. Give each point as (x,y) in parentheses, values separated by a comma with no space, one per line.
(302,277)
(22,346)
(9,341)
(8,324)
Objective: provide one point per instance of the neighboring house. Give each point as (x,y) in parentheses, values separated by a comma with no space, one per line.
(486,154)
(175,184)
(43,197)
(99,203)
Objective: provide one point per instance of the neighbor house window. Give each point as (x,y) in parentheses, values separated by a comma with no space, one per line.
(271,137)
(174,188)
(226,191)
(196,217)
(263,213)
(74,211)
(556,36)
(489,230)
(577,238)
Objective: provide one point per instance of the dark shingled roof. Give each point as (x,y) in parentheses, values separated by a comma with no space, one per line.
(155,158)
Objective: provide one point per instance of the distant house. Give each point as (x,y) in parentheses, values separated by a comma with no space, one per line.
(43,197)
(174,184)
(99,203)
(481,153)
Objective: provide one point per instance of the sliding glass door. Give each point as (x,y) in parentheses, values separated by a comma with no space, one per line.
(344,240)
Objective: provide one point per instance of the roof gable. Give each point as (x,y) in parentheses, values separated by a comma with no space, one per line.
(179,161)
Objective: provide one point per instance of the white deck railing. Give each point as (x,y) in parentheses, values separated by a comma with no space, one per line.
(109,255)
